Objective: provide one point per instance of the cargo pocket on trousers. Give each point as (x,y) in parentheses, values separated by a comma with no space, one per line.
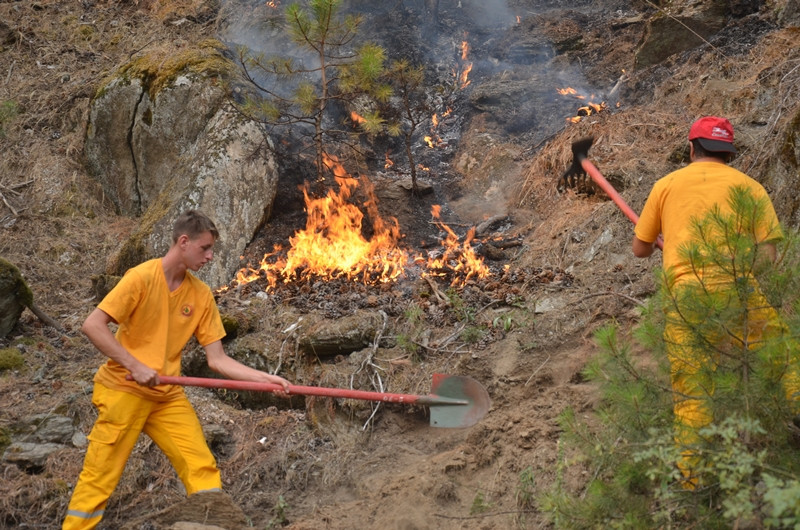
(105,433)
(102,439)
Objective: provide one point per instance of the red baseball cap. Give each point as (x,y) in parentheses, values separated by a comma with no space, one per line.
(714,134)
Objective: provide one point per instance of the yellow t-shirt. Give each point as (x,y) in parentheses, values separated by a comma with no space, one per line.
(155,324)
(690,193)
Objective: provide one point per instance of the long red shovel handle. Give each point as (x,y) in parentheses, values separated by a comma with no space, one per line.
(232,384)
(454,401)
(598,178)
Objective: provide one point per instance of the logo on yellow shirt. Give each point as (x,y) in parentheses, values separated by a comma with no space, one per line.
(187,310)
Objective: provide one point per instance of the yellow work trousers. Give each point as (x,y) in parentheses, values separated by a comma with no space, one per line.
(694,356)
(122,416)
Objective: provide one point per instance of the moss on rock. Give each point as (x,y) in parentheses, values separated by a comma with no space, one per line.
(159,69)
(10,359)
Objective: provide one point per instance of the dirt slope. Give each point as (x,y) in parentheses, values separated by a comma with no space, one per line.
(56,226)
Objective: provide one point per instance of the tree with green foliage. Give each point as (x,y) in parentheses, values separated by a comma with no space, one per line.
(337,72)
(747,465)
(411,110)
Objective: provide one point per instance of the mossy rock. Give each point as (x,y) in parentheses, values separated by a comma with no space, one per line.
(15,296)
(159,69)
(103,283)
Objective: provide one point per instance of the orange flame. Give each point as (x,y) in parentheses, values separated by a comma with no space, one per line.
(585,110)
(467,66)
(435,121)
(464,73)
(389,162)
(332,245)
(459,258)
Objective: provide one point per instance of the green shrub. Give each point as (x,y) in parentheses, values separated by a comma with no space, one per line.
(748,465)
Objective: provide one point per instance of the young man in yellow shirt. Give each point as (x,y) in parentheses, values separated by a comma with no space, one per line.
(675,205)
(158,306)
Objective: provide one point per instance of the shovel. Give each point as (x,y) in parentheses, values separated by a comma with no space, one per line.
(454,401)
(581,164)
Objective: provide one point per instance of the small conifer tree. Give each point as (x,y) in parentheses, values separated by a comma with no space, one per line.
(739,314)
(287,92)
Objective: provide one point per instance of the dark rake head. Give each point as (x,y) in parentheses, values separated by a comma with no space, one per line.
(580,149)
(575,176)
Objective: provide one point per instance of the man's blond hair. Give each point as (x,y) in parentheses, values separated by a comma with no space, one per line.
(193,223)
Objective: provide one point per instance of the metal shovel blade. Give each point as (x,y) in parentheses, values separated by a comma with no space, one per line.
(470,401)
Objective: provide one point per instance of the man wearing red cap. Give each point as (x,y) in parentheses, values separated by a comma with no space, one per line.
(674,208)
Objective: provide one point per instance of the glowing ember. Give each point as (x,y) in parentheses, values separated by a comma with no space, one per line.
(356,117)
(457,257)
(432,141)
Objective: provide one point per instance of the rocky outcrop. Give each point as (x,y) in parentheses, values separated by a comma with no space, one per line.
(37,437)
(163,138)
(15,296)
(686,25)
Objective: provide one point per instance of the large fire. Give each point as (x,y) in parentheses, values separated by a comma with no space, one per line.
(333,246)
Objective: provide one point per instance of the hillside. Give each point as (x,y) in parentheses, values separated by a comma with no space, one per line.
(320,465)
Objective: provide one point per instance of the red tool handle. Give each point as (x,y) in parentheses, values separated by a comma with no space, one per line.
(231,384)
(611,192)
(293,389)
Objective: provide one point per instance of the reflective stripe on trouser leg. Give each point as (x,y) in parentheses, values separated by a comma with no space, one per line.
(120,419)
(174,427)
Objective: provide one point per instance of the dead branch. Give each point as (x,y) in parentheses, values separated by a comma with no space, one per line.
(632,299)
(439,295)
(44,317)
(483,515)
(12,190)
(484,227)
(13,210)
(10,69)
